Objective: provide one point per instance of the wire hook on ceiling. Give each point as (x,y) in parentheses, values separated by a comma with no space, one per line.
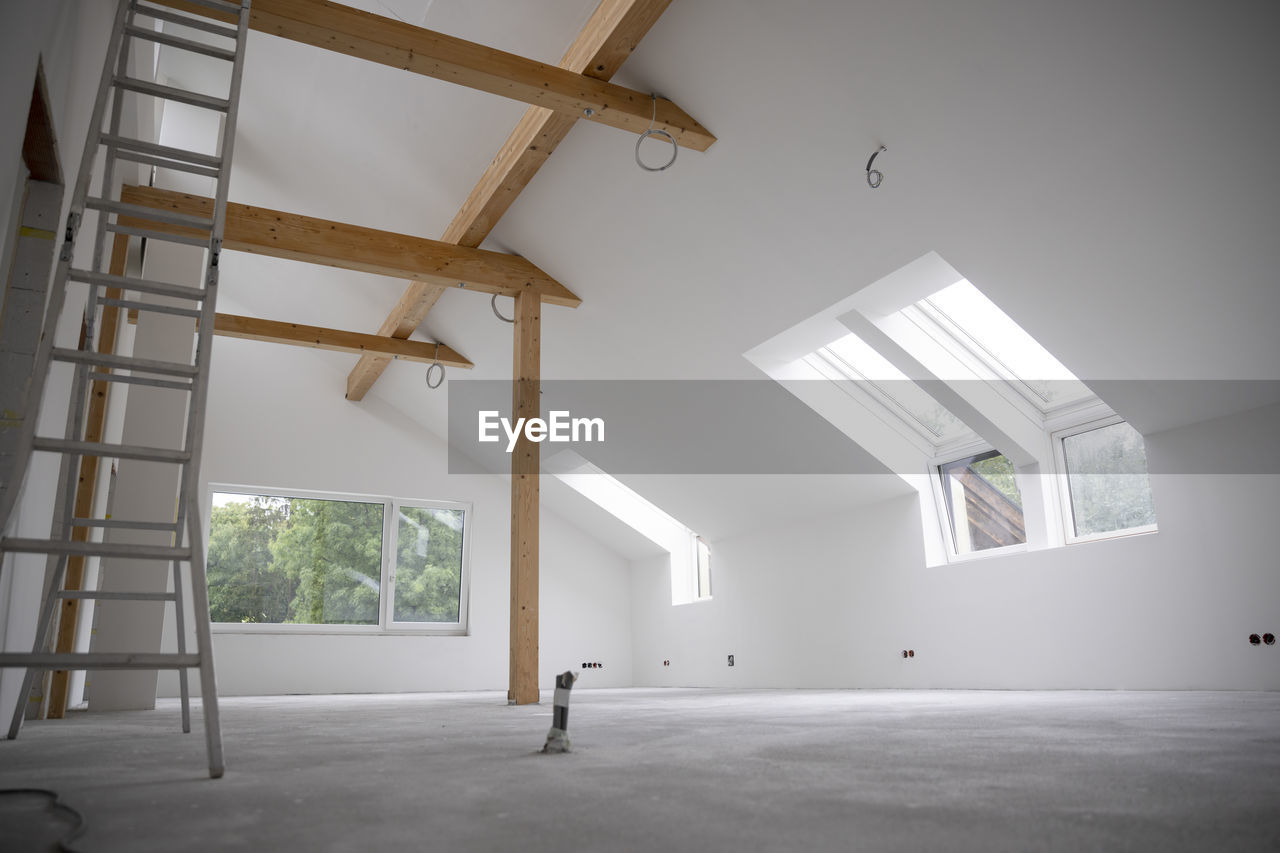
(875,176)
(652,131)
(493,303)
(436,369)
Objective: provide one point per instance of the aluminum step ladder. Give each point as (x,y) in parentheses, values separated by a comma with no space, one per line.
(208,31)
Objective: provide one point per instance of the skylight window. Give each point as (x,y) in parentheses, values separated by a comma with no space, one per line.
(690,556)
(856,361)
(929,376)
(1004,347)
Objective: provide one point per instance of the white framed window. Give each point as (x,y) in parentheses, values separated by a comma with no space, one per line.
(1102,469)
(309,561)
(982,504)
(704,568)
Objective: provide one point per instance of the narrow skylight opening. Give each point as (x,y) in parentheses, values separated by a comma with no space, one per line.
(858,362)
(625,505)
(989,334)
(687,582)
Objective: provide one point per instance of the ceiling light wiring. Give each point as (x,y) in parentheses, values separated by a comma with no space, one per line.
(652,131)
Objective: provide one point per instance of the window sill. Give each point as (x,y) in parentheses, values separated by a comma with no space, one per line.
(989,554)
(1128,533)
(340,630)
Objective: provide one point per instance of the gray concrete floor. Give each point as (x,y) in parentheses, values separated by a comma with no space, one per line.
(667,770)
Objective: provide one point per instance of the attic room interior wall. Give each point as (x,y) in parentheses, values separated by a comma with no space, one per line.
(832,602)
(277,418)
(70,39)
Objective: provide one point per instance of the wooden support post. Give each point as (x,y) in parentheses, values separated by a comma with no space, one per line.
(86,489)
(525,463)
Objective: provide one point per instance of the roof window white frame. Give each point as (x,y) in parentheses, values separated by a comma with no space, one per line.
(1062,478)
(872,394)
(978,358)
(946,522)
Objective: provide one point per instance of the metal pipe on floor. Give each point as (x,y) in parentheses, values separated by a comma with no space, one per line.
(558,736)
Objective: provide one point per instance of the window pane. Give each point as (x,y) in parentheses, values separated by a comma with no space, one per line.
(995,332)
(294,560)
(983,502)
(858,361)
(428,579)
(1107,478)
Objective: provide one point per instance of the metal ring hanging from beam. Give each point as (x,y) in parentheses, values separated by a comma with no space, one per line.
(435,365)
(493,303)
(875,176)
(675,148)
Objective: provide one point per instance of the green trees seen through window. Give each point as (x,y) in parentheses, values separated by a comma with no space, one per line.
(284,560)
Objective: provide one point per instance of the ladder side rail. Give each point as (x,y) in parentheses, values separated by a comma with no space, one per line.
(196,415)
(179,602)
(108,179)
(56,568)
(64,503)
(180,626)
(57,296)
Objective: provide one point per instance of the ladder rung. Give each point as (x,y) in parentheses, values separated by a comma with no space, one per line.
(98,594)
(195,23)
(129,379)
(148,160)
(170,93)
(168,152)
(124,523)
(142,285)
(134,305)
(180,43)
(186,239)
(124,362)
(110,451)
(98,660)
(227,6)
(17,545)
(152,214)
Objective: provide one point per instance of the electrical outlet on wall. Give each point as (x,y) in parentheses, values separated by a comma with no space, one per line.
(730,660)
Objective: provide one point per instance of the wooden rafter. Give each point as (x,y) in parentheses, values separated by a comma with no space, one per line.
(387,41)
(316,337)
(277,234)
(612,33)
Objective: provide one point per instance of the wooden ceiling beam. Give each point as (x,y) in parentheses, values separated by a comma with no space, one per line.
(336,340)
(387,41)
(609,37)
(274,233)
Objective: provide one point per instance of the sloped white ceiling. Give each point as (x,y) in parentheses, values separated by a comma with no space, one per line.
(1106,172)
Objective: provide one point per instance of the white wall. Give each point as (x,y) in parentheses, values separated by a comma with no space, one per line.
(832,602)
(277,418)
